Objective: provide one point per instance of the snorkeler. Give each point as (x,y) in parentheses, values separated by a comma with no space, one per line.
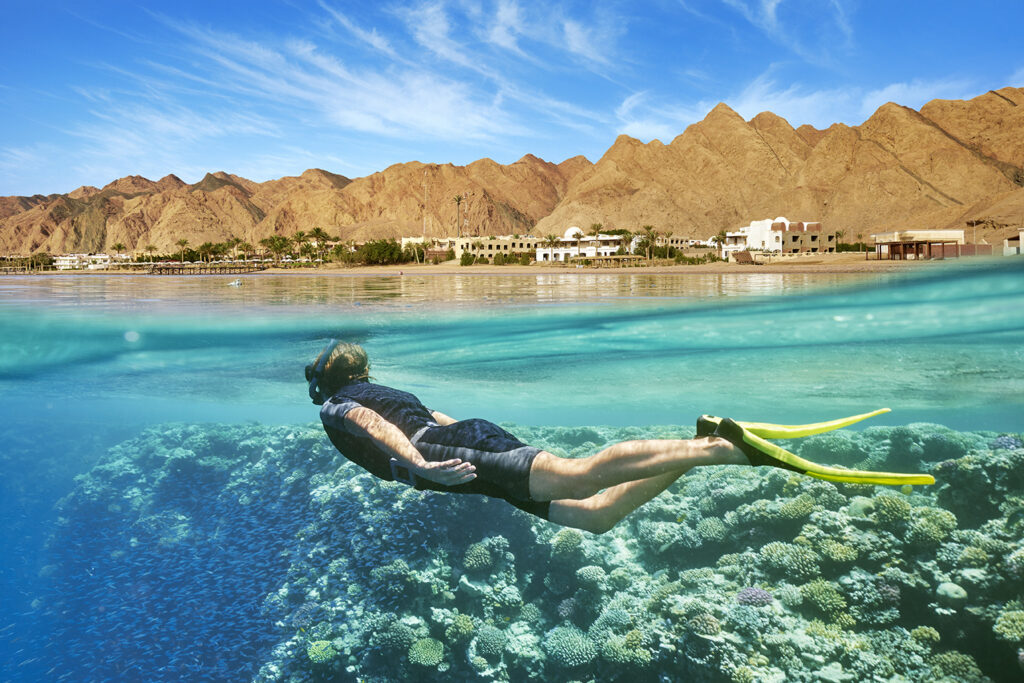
(392,435)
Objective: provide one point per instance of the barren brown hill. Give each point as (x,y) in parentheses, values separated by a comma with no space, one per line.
(954,164)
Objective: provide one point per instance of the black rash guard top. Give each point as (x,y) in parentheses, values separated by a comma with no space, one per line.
(400,408)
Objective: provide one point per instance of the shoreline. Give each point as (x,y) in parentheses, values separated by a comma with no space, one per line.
(825,264)
(852,262)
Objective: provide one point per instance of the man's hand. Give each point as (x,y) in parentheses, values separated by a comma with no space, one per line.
(447,473)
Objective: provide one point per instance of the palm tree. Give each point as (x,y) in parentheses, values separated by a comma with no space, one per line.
(719,239)
(245,247)
(320,236)
(595,232)
(552,242)
(458,214)
(299,239)
(650,234)
(204,249)
(150,248)
(626,240)
(118,247)
(182,243)
(232,244)
(276,245)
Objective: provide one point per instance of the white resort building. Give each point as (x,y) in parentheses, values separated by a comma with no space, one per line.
(88,261)
(576,244)
(780,235)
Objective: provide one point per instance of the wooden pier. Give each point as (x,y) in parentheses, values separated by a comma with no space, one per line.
(204,268)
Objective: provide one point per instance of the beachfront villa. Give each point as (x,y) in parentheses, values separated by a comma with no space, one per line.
(488,247)
(576,244)
(89,261)
(780,235)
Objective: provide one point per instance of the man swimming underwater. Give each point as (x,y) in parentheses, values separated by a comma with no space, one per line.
(392,435)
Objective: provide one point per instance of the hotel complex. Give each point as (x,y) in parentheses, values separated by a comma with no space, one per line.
(781,236)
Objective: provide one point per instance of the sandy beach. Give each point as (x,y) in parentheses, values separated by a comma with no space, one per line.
(823,263)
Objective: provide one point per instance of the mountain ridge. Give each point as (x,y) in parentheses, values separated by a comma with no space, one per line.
(954,163)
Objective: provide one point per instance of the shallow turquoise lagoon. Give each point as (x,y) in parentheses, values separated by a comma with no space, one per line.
(174,512)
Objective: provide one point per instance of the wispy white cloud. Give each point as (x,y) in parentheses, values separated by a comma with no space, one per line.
(814,37)
(795,103)
(371,37)
(640,118)
(507,26)
(916,93)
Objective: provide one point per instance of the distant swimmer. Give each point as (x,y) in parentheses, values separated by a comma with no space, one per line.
(235,283)
(392,435)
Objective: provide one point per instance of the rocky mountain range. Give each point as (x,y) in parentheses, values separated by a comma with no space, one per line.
(953,164)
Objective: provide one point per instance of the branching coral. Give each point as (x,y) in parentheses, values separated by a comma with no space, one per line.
(477,559)
(426,652)
(1010,626)
(320,651)
(490,642)
(825,597)
(569,648)
(786,559)
(891,510)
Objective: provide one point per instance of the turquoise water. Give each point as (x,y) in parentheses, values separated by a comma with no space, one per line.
(89,362)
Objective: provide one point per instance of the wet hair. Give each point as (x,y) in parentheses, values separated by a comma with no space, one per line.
(347,363)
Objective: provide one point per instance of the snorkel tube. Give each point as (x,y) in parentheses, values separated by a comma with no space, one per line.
(315,372)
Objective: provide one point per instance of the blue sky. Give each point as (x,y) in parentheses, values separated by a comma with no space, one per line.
(93,91)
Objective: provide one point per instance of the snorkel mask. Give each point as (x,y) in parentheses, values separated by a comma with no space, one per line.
(315,372)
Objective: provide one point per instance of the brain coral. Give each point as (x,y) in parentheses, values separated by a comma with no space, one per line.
(704,624)
(568,647)
(426,652)
(320,651)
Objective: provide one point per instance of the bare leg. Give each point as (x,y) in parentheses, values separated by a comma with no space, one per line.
(602,511)
(555,478)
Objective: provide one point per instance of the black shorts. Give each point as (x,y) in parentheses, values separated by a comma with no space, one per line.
(502,461)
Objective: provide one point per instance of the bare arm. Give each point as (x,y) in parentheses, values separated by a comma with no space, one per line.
(442,419)
(363,421)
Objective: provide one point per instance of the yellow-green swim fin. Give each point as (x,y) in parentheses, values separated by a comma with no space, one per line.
(761,452)
(707,424)
(771,431)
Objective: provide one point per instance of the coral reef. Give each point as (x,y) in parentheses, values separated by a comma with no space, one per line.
(273,558)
